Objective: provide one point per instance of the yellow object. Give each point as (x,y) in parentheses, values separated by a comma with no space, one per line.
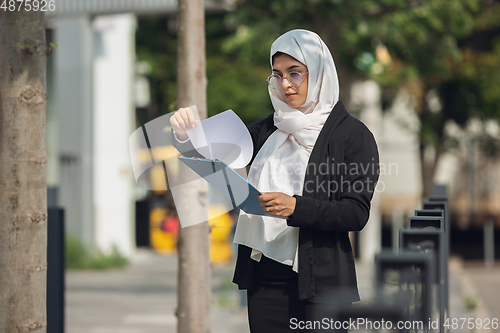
(220,231)
(221,225)
(161,241)
(158,180)
(168,154)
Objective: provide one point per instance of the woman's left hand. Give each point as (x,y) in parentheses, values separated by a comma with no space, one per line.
(277,204)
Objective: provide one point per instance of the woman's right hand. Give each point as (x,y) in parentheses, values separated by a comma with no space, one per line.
(182,121)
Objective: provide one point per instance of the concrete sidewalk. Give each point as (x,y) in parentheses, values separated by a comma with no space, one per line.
(142,297)
(465,288)
(483,284)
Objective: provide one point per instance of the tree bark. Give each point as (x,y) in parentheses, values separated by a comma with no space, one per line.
(23,191)
(194,287)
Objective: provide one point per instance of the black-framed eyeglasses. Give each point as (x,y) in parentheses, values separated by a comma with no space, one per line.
(295,78)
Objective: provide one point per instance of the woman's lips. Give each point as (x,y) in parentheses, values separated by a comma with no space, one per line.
(290,95)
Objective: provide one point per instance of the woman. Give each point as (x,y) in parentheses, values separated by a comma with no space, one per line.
(317,168)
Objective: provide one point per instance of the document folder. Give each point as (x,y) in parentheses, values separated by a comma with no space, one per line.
(234,187)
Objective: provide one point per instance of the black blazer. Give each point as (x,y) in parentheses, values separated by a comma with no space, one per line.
(340,179)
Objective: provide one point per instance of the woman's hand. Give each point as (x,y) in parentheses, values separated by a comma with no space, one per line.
(182,121)
(277,204)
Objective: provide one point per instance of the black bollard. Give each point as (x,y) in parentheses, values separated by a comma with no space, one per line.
(55,270)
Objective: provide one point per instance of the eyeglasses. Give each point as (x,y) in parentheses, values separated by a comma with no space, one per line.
(295,78)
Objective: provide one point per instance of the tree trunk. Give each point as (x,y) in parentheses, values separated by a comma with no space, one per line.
(429,168)
(194,288)
(429,165)
(23,191)
(427,177)
(329,32)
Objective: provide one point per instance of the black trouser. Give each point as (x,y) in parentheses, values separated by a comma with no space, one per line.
(277,308)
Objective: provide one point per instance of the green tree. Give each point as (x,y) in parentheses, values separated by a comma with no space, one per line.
(449,47)
(446,47)
(233,81)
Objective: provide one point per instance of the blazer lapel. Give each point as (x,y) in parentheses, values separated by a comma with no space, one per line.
(338,114)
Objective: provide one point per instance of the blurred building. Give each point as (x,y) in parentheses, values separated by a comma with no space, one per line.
(90,115)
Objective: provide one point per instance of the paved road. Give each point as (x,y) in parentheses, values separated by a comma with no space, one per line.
(142,297)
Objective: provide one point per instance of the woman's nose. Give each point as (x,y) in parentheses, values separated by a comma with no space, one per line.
(285,83)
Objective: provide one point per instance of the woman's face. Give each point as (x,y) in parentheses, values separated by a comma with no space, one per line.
(284,64)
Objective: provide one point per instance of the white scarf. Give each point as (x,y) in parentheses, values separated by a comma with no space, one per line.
(281,163)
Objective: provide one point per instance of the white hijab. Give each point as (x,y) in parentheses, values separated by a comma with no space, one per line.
(280,164)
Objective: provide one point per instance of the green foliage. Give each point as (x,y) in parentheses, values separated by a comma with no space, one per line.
(237,85)
(75,252)
(490,146)
(77,256)
(233,82)
(445,46)
(451,47)
(470,302)
(157,46)
(224,296)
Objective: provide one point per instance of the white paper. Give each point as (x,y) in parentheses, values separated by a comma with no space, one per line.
(223,137)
